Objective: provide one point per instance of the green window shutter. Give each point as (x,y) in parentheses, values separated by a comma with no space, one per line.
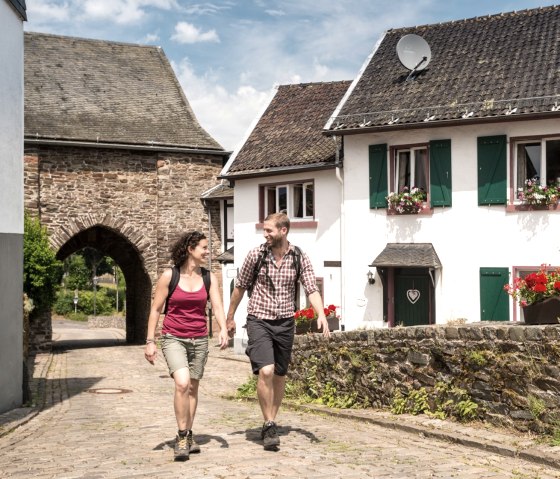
(492,170)
(378,176)
(440,173)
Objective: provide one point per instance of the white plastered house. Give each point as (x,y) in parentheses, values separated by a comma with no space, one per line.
(286,163)
(469,127)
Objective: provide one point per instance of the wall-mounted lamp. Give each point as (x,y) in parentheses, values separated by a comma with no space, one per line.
(370,278)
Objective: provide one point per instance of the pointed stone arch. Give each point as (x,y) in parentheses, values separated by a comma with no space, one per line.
(128,248)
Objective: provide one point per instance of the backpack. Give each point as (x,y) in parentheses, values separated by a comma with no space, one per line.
(176,276)
(260,261)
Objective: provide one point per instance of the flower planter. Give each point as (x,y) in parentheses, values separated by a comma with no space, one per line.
(546,311)
(311,326)
(304,328)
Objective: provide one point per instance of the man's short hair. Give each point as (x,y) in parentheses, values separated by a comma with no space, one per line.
(280,220)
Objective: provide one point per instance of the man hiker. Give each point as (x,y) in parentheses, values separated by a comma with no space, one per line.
(270,273)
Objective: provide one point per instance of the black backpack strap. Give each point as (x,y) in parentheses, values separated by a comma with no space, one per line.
(297,266)
(206,278)
(297,262)
(256,270)
(175,277)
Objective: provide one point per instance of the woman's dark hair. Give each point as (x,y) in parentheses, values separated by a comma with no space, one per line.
(180,249)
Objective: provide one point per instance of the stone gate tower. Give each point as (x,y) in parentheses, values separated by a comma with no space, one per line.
(115,159)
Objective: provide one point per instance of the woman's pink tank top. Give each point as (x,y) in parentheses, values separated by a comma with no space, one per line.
(186,314)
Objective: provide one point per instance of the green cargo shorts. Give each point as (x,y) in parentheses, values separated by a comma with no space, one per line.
(189,353)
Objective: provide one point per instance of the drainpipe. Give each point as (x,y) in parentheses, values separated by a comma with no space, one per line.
(338,170)
(206,204)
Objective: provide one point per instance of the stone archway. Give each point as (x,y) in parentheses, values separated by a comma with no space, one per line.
(127,252)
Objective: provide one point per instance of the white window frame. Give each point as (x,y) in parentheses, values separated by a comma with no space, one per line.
(543,162)
(290,200)
(412,151)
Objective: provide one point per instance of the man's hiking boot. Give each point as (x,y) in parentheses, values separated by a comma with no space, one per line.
(181,449)
(269,435)
(194,448)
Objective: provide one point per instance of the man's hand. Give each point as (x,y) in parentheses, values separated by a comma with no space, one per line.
(230,326)
(323,325)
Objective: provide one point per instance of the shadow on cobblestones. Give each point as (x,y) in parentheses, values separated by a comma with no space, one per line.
(201,439)
(69,344)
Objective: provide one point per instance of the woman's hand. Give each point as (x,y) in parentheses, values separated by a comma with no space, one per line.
(224,339)
(150,352)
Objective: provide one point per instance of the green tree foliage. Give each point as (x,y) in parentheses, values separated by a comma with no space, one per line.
(104,304)
(42,272)
(77,273)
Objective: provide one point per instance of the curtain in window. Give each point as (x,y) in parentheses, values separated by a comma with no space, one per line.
(298,201)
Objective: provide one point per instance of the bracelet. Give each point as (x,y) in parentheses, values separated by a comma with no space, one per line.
(148,341)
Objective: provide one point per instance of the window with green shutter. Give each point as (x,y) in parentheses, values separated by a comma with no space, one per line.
(492,170)
(440,173)
(378,176)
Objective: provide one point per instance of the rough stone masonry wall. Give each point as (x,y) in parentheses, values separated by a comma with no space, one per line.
(510,370)
(148,197)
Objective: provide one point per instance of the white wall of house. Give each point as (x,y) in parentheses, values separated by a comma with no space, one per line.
(11,199)
(465,236)
(320,243)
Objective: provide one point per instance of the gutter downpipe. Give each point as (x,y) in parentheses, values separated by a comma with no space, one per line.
(338,170)
(206,204)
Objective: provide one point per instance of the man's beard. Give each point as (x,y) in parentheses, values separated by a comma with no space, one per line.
(275,241)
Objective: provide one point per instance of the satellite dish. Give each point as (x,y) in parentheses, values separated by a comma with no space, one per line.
(414,52)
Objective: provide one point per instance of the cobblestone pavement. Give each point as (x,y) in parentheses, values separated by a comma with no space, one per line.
(104,412)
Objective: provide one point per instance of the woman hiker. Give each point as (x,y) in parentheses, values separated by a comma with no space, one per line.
(184,333)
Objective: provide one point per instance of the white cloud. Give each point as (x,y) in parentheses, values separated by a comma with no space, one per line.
(226,116)
(188,33)
(150,39)
(45,11)
(204,9)
(275,13)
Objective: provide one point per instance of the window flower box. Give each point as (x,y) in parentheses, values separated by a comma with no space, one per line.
(538,196)
(407,201)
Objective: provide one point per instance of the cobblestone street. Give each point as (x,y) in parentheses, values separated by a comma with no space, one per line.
(107,413)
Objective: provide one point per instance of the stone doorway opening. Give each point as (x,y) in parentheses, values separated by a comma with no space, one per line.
(110,242)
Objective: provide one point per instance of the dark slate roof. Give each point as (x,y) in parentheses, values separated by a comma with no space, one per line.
(92,90)
(226,256)
(502,66)
(20,7)
(289,133)
(421,255)
(218,192)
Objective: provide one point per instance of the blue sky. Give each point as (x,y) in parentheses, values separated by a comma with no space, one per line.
(229,55)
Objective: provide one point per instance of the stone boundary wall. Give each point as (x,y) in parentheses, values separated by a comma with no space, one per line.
(118,322)
(511,371)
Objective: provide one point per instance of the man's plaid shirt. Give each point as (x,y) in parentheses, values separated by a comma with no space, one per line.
(274,291)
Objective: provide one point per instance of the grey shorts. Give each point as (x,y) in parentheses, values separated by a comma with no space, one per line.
(270,342)
(189,353)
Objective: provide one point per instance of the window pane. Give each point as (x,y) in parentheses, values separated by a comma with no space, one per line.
(298,201)
(403,170)
(421,169)
(528,162)
(282,198)
(553,162)
(270,201)
(309,200)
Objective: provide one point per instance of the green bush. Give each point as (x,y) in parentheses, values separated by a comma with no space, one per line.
(42,272)
(64,304)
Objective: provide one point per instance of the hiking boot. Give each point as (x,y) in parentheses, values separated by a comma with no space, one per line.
(181,449)
(269,435)
(193,446)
